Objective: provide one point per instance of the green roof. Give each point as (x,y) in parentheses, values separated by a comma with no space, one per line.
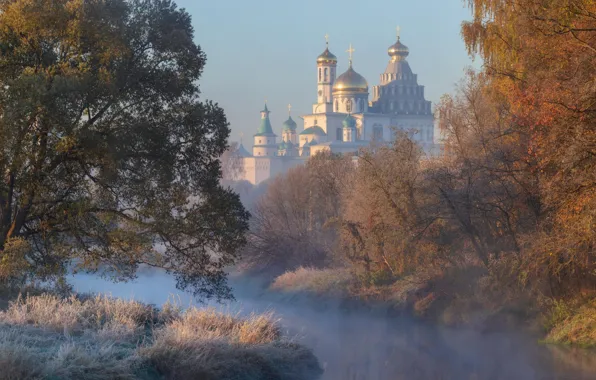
(265,126)
(289,125)
(314,130)
(349,122)
(268,134)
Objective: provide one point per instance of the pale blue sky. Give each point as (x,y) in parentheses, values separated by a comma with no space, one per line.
(268,49)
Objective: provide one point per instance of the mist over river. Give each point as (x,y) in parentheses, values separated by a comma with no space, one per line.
(358,346)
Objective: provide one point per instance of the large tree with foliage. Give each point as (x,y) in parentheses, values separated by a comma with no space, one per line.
(295,221)
(541,57)
(108,158)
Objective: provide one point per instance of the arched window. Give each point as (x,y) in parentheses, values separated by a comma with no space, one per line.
(326,74)
(339,134)
(336,106)
(349,106)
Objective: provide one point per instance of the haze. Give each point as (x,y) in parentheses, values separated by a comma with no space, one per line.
(267,49)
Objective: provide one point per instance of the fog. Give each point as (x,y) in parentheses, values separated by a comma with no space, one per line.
(358,345)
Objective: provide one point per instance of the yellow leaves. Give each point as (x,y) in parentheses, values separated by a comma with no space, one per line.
(69,28)
(74,6)
(13,260)
(128,243)
(66,144)
(105,76)
(34,19)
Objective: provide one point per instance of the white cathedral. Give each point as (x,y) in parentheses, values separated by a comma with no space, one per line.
(343,120)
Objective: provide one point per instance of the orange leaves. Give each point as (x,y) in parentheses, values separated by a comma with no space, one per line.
(547,83)
(549,86)
(12,258)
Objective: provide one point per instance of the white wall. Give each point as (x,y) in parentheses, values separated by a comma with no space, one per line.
(264,151)
(325,83)
(359,103)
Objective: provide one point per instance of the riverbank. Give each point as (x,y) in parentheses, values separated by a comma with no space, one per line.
(456,300)
(46,336)
(354,341)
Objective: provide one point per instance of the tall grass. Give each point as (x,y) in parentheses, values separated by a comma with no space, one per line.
(332,282)
(571,324)
(46,337)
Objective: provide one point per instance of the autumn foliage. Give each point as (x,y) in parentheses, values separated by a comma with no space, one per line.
(108,158)
(541,60)
(505,217)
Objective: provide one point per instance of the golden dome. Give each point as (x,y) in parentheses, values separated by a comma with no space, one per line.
(327,58)
(398,51)
(350,81)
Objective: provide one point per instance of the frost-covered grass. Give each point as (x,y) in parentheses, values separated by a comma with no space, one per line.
(48,337)
(329,282)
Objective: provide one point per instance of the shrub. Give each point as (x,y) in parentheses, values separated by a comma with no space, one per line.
(559,311)
(571,325)
(317,281)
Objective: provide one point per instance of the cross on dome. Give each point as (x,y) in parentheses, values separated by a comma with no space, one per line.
(351,51)
(289,109)
(327,39)
(398,32)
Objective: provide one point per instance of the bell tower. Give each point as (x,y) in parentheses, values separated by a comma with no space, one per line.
(265,140)
(326,72)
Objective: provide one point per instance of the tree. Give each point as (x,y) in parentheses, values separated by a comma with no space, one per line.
(232,164)
(485,181)
(541,57)
(108,157)
(388,212)
(294,221)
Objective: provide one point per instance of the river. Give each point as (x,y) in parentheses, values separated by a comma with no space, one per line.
(359,346)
